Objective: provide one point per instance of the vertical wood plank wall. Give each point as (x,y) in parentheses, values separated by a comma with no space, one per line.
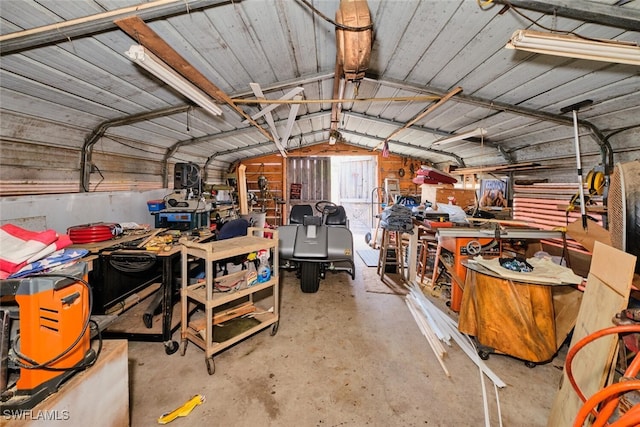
(273,167)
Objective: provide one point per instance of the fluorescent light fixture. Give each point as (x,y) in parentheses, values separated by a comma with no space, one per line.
(575,47)
(476,132)
(158,68)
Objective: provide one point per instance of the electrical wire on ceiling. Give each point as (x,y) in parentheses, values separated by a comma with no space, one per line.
(483,3)
(624,129)
(332,22)
(130,146)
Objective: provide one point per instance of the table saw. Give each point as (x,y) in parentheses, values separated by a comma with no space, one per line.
(468,242)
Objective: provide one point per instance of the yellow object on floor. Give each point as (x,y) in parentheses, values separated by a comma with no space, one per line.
(182,411)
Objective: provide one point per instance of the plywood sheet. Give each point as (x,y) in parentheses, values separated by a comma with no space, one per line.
(566,305)
(105,385)
(587,238)
(606,293)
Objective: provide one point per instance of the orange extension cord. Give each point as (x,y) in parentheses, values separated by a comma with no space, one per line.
(608,397)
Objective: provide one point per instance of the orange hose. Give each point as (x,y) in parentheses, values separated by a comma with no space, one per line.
(627,421)
(599,396)
(630,419)
(633,368)
(610,399)
(609,406)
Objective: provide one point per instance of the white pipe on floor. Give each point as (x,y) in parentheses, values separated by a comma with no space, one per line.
(485,404)
(451,327)
(431,339)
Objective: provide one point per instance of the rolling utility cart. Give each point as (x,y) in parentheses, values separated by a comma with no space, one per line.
(245,303)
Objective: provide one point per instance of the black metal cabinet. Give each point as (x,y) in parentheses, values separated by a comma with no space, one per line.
(119,274)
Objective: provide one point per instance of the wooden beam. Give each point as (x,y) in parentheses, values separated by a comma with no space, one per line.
(269,119)
(500,168)
(243,200)
(411,122)
(138,30)
(89,25)
(336,108)
(284,214)
(336,101)
(286,99)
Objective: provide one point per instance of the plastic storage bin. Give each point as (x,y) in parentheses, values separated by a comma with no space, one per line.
(155,205)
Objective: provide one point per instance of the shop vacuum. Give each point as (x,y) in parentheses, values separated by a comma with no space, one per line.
(45,334)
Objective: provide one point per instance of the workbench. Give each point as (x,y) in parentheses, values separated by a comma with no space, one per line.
(528,319)
(129,325)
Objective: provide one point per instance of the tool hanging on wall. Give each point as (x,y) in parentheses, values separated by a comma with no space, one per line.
(574,109)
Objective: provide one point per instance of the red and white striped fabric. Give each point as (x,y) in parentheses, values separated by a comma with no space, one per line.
(19,246)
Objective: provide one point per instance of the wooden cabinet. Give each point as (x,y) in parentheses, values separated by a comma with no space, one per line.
(246,307)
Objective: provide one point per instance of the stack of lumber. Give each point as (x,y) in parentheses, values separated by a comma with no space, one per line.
(544,205)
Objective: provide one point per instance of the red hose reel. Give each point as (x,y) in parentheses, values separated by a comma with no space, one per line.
(92,233)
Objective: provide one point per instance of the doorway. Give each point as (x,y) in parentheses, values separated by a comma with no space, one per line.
(352,183)
(344,180)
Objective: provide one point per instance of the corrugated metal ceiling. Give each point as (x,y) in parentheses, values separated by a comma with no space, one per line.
(58,86)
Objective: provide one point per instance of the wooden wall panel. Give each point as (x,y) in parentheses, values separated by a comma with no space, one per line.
(41,169)
(390,167)
(273,168)
(37,169)
(544,205)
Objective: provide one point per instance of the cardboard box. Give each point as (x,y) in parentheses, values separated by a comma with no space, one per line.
(442,193)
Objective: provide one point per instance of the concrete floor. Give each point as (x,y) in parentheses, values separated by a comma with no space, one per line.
(341,357)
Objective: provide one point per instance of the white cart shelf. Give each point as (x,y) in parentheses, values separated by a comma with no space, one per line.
(263,296)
